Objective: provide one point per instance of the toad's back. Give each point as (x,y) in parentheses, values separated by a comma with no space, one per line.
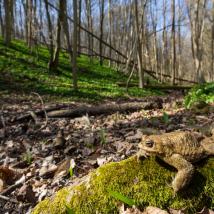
(186,144)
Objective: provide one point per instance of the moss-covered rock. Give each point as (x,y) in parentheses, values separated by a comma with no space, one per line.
(145,182)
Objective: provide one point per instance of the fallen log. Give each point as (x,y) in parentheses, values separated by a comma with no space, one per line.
(41,113)
(104,109)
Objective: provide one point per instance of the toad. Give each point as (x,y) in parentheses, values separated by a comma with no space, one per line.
(179,149)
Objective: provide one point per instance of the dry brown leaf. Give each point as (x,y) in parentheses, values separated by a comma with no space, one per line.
(26,194)
(8,176)
(155,210)
(132,210)
(206,211)
(63,168)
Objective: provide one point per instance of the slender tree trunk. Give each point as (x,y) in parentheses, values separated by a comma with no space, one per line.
(179,38)
(90,28)
(74,68)
(155,45)
(164,42)
(50,34)
(101,30)
(173,44)
(78,28)
(1,20)
(66,30)
(110,29)
(196,12)
(29,22)
(55,62)
(211,73)
(139,47)
(8,21)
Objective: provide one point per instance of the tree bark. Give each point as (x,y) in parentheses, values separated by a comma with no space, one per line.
(50,34)
(54,64)
(90,28)
(110,28)
(173,44)
(139,47)
(196,12)
(79,23)
(8,7)
(1,19)
(104,109)
(101,2)
(74,64)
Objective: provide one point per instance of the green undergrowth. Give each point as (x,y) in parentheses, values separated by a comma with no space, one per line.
(200,93)
(144,182)
(25,70)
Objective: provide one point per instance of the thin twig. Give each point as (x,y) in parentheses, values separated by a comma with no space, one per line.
(8,199)
(43,107)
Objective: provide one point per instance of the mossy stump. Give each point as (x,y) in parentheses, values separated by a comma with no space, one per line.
(145,182)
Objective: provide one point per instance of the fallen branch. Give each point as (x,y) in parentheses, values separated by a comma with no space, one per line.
(43,108)
(28,116)
(104,109)
(5,198)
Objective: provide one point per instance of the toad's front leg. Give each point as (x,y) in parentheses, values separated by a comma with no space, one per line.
(185,171)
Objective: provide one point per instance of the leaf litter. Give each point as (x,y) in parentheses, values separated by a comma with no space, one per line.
(35,163)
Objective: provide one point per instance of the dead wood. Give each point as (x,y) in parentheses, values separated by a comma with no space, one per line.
(104,109)
(41,113)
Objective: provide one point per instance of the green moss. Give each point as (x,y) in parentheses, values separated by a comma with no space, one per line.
(145,183)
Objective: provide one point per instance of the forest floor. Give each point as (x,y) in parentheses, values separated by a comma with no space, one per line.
(34,165)
(33,162)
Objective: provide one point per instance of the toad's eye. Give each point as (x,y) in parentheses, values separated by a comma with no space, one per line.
(149,143)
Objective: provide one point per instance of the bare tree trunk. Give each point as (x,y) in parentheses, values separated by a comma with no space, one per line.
(78,28)
(110,28)
(155,45)
(179,38)
(173,45)
(1,20)
(8,5)
(139,47)
(164,42)
(196,12)
(29,22)
(101,2)
(74,68)
(90,27)
(66,29)
(211,73)
(55,62)
(50,33)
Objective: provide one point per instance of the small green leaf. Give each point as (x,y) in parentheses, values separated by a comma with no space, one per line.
(69,210)
(165,117)
(71,172)
(122,198)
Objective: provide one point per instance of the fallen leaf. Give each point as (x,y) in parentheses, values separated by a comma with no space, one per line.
(155,210)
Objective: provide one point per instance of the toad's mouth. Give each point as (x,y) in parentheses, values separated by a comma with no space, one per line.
(143,153)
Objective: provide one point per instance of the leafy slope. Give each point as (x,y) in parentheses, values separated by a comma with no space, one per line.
(25,70)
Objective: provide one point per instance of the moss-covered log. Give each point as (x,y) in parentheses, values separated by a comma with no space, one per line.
(145,182)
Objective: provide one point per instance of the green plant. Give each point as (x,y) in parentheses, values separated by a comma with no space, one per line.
(69,210)
(200,93)
(27,157)
(71,171)
(122,198)
(165,117)
(103,137)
